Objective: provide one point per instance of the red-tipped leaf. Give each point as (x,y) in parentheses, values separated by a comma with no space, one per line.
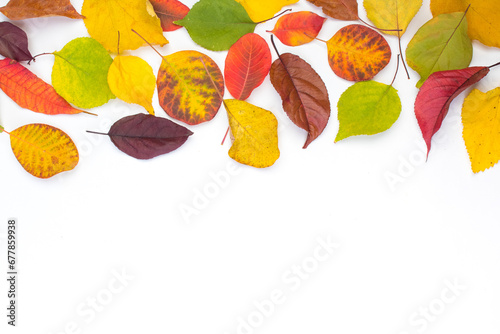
(169,11)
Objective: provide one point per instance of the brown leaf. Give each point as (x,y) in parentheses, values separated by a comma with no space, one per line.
(26,9)
(346,10)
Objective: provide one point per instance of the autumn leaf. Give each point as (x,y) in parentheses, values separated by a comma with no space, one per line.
(247,64)
(217,24)
(106,19)
(255,133)
(346,10)
(132,80)
(304,94)
(392,14)
(186,91)
(441,44)
(483,17)
(29,91)
(261,10)
(438,91)
(367,108)
(358,53)
(298,28)
(80,73)
(169,11)
(14,42)
(43,150)
(481,130)
(26,9)
(146,136)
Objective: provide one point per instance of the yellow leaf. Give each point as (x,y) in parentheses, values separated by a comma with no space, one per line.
(132,80)
(255,133)
(392,14)
(105,18)
(481,121)
(483,17)
(43,150)
(260,10)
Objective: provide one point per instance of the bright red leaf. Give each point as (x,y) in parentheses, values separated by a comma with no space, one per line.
(298,28)
(247,64)
(169,11)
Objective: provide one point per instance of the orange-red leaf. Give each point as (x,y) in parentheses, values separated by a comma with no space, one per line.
(169,11)
(298,28)
(25,9)
(247,65)
(31,92)
(358,53)
(346,10)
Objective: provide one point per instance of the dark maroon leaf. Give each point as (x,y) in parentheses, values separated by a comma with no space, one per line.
(14,42)
(146,136)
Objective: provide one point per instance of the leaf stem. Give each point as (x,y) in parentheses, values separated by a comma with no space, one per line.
(401,52)
(97,133)
(118,44)
(275,16)
(496,64)
(152,47)
(40,54)
(227,132)
(397,68)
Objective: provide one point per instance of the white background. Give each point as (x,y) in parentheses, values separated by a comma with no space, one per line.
(203,273)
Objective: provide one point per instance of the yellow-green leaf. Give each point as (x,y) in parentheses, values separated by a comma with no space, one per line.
(43,150)
(132,80)
(481,121)
(104,19)
(255,134)
(392,14)
(260,10)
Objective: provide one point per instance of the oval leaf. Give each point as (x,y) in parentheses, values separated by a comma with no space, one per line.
(247,64)
(31,92)
(26,9)
(14,42)
(358,53)
(132,80)
(367,108)
(304,94)
(43,150)
(146,136)
(441,44)
(186,90)
(298,28)
(346,10)
(255,133)
(80,73)
(392,14)
(169,11)
(436,95)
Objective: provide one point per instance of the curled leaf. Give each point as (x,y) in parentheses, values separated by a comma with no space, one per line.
(346,10)
(43,150)
(146,136)
(186,87)
(255,133)
(14,42)
(169,11)
(304,94)
(247,64)
(438,91)
(298,28)
(26,9)
(358,53)
(31,92)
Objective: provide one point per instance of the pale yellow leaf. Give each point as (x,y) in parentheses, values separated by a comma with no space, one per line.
(392,14)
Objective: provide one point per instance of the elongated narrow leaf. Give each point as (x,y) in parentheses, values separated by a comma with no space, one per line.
(442,44)
(146,136)
(186,90)
(247,64)
(304,94)
(358,53)
(367,108)
(346,10)
(217,24)
(26,9)
(31,92)
(255,134)
(43,150)
(169,11)
(392,14)
(14,42)
(481,121)
(298,28)
(434,98)
(80,73)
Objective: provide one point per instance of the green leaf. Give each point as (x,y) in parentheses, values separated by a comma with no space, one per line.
(80,73)
(217,24)
(441,44)
(367,108)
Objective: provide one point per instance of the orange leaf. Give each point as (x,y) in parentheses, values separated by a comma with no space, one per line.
(31,92)
(247,65)
(298,28)
(358,53)
(169,11)
(25,9)
(43,150)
